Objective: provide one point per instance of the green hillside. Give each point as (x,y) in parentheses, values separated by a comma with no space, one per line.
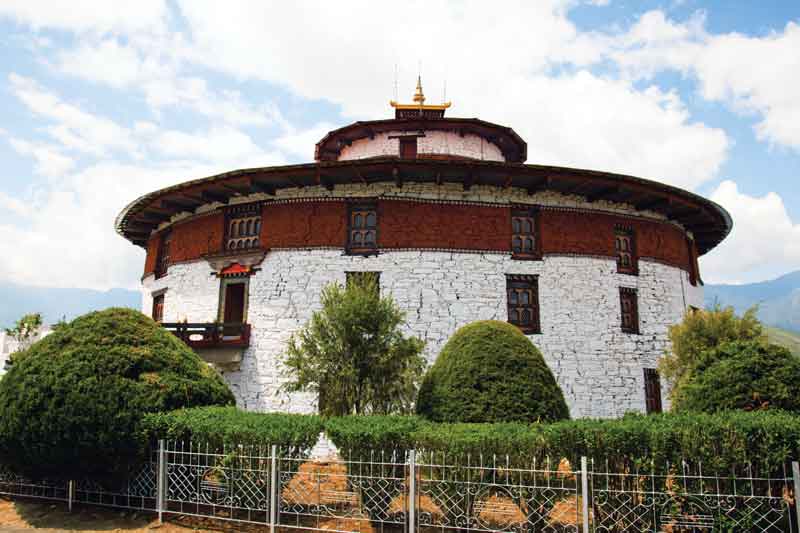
(785,338)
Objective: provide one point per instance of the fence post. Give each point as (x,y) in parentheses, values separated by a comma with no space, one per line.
(161,481)
(276,493)
(796,479)
(412,491)
(70,494)
(585,492)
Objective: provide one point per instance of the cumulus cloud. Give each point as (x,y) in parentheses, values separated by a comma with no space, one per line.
(88,15)
(758,75)
(50,161)
(302,143)
(69,124)
(764,243)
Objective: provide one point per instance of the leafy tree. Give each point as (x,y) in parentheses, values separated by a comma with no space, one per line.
(72,403)
(747,375)
(353,354)
(25,330)
(489,371)
(700,331)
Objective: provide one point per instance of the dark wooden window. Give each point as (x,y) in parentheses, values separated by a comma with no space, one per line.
(364,278)
(408,147)
(652,390)
(625,247)
(163,258)
(158,307)
(694,270)
(522,299)
(362,230)
(629,309)
(524,233)
(233,307)
(243,227)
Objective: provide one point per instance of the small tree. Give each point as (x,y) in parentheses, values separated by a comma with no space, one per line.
(703,330)
(353,354)
(742,375)
(25,331)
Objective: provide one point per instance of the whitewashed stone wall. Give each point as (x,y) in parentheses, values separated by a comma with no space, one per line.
(434,142)
(598,367)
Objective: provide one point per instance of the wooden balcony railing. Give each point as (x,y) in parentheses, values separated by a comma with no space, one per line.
(211,335)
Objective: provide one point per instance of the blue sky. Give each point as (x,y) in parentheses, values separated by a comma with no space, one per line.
(102,102)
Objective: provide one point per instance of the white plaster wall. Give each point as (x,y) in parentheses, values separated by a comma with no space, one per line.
(598,367)
(434,142)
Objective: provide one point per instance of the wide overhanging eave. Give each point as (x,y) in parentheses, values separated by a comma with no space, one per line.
(708,222)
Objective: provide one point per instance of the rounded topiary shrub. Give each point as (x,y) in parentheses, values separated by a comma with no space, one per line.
(490,372)
(749,375)
(72,403)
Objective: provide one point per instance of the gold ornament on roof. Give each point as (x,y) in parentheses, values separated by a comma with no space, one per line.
(419,102)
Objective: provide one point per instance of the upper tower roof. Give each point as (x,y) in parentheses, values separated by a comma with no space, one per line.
(418,108)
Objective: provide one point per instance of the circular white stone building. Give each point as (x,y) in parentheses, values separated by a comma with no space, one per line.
(593,266)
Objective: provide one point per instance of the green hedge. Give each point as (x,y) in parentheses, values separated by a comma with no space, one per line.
(218,426)
(721,441)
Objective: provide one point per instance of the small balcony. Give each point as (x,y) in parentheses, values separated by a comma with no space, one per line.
(215,342)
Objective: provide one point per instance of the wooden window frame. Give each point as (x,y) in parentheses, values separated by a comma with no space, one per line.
(249,215)
(163,255)
(625,232)
(632,297)
(652,391)
(365,206)
(408,141)
(157,312)
(694,267)
(518,282)
(223,285)
(522,214)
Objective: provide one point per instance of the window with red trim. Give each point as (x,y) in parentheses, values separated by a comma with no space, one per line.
(163,257)
(243,227)
(158,307)
(362,230)
(524,233)
(625,248)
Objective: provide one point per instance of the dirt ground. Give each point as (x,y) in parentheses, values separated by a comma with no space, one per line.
(48,517)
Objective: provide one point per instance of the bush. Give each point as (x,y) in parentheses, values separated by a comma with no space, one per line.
(490,372)
(700,331)
(72,403)
(742,375)
(227,426)
(722,442)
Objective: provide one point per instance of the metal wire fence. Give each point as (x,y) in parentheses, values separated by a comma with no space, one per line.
(425,491)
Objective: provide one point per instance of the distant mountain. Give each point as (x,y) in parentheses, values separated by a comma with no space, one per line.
(784,338)
(54,304)
(778,300)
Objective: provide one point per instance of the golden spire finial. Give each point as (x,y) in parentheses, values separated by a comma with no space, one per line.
(419,97)
(419,108)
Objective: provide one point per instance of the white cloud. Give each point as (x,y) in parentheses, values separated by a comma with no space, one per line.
(87,15)
(750,74)
(74,128)
(50,161)
(13,205)
(219,145)
(764,243)
(301,143)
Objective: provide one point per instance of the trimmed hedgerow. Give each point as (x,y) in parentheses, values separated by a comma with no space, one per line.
(218,426)
(72,403)
(720,441)
(364,434)
(489,371)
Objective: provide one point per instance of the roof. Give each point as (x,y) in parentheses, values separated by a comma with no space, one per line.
(708,221)
(514,149)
